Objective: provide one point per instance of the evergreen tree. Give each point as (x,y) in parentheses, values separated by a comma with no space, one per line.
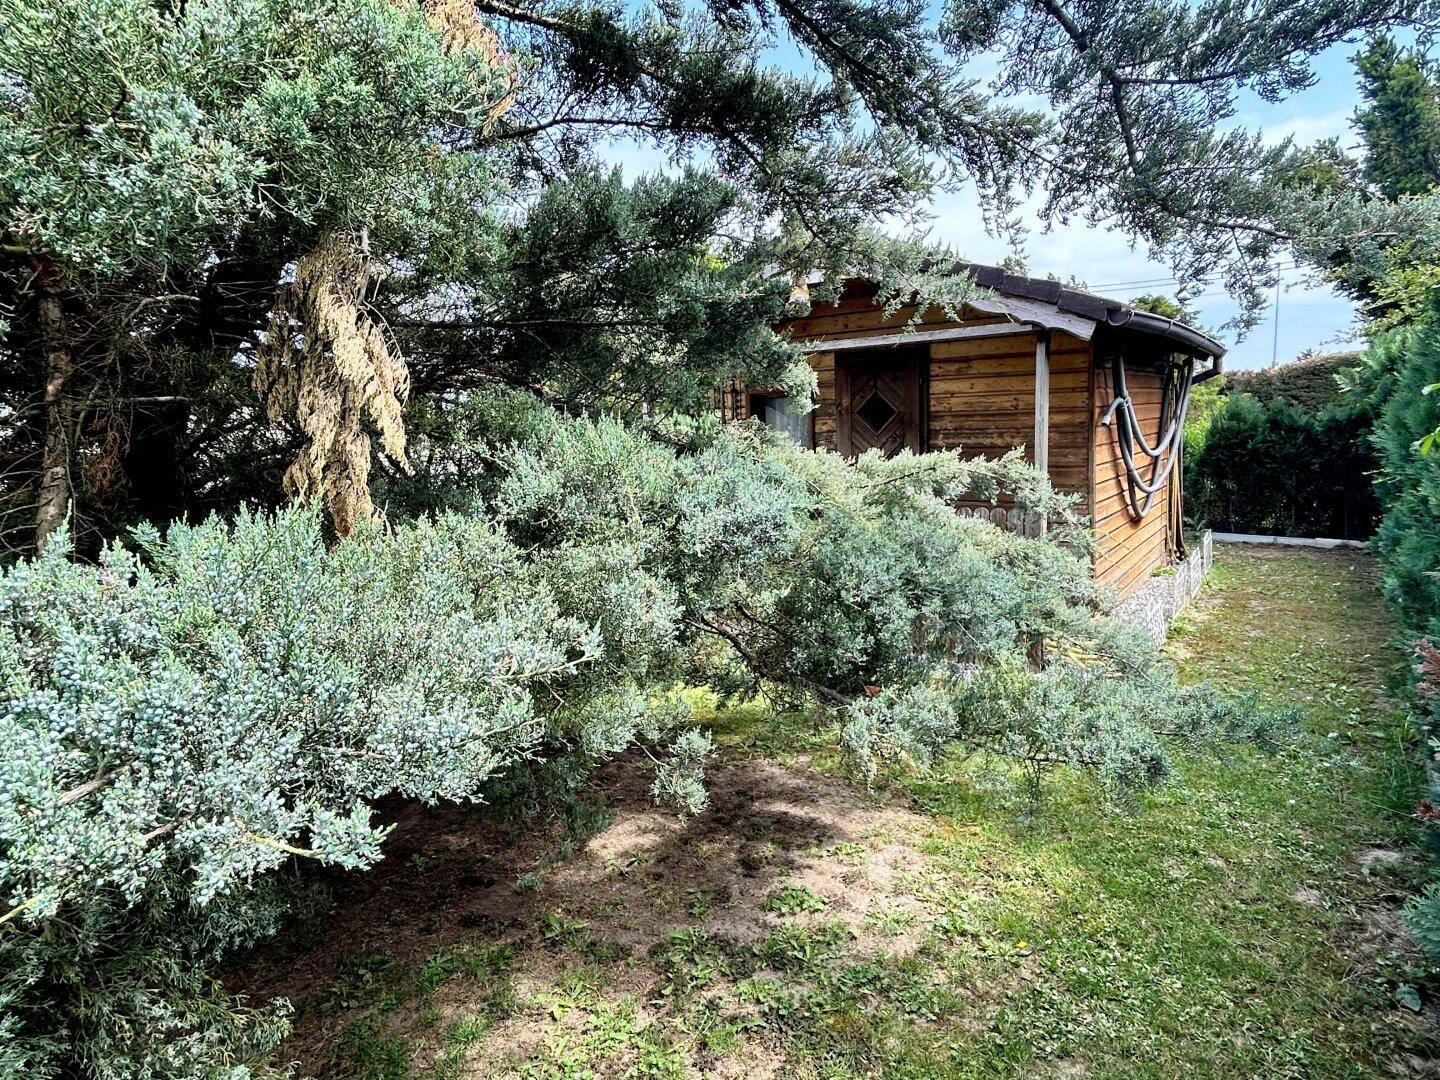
(1169,307)
(341,250)
(1390,276)
(381,205)
(1400,120)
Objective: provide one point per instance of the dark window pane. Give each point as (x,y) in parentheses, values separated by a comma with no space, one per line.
(876,412)
(775,412)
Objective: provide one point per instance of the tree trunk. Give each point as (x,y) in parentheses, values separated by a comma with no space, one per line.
(54,490)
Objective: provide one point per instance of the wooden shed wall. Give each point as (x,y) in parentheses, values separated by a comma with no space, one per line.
(982,390)
(982,401)
(857,317)
(1130,550)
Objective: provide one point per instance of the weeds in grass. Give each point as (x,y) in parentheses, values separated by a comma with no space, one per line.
(795,900)
(1180,935)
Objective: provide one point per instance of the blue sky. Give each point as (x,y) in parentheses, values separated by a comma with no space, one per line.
(1310,316)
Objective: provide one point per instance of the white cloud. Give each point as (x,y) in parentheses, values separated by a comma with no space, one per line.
(1110,264)
(1310,129)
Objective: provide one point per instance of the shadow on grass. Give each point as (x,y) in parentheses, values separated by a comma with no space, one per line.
(1223,926)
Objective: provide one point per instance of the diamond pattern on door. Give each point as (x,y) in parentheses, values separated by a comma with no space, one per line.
(877,412)
(880,400)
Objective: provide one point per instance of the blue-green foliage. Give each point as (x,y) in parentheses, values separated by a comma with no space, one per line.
(1422,918)
(815,572)
(857,588)
(139,137)
(188,714)
(1276,469)
(1393,377)
(1106,703)
(197,709)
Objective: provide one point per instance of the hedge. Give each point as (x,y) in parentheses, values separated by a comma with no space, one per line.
(1277,470)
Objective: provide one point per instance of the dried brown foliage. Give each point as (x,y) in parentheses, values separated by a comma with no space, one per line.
(459,26)
(328,362)
(1427,667)
(330,365)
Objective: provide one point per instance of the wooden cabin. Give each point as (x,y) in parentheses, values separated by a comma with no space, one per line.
(1107,421)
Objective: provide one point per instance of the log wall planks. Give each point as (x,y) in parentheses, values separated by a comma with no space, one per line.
(982,390)
(981,402)
(1130,549)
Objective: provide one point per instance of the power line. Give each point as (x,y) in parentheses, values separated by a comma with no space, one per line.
(1133,284)
(1283,268)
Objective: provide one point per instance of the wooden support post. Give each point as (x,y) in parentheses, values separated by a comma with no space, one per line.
(1041,449)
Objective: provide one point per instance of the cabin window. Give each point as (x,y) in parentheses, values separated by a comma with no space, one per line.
(877,411)
(782,414)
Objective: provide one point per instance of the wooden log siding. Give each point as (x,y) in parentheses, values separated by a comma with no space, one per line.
(982,402)
(982,390)
(1130,549)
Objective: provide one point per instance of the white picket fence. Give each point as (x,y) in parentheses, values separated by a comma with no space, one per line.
(1010,518)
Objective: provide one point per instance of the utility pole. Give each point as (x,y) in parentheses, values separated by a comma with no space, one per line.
(1275,330)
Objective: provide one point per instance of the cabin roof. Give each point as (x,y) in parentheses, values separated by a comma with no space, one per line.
(1049,303)
(1098,309)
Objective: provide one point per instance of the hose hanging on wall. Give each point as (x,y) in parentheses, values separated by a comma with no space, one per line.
(1140,492)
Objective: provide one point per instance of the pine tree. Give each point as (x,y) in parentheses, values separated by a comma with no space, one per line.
(263,247)
(167,165)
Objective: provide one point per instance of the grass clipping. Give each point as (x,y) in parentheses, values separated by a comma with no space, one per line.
(329,365)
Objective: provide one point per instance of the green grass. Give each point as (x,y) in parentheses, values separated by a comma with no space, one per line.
(1219,927)
(1185,936)
(1212,931)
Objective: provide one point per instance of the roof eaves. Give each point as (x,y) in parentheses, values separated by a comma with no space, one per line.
(1089,306)
(1085,305)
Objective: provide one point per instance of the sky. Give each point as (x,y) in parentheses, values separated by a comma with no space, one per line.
(1308,316)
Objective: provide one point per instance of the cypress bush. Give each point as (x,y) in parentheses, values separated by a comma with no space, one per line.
(1394,376)
(201,707)
(1275,469)
(1312,382)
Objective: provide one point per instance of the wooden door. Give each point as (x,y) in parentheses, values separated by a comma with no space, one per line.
(880,400)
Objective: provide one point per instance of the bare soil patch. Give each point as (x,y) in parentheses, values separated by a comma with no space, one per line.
(1241,923)
(455,877)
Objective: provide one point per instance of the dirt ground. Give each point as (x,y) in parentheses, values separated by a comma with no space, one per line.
(1241,922)
(453,876)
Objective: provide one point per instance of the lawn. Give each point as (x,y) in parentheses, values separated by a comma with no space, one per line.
(1241,922)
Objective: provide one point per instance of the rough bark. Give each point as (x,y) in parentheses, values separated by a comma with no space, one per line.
(54,486)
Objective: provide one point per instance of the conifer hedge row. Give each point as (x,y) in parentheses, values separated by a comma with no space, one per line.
(1278,470)
(1394,381)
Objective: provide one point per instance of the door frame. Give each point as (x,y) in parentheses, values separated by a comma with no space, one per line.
(892,356)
